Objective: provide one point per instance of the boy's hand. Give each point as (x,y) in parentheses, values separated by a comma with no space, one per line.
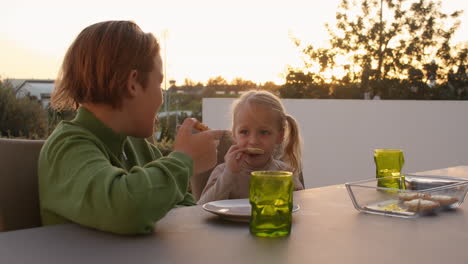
(200,146)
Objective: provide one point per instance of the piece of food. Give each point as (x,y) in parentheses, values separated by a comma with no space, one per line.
(201,127)
(421,205)
(443,200)
(408,196)
(256,151)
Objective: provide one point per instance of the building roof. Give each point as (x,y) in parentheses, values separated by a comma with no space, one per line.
(33,87)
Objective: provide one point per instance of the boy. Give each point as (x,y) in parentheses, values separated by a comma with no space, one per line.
(98,170)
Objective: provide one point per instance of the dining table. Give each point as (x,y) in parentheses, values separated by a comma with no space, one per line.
(326,229)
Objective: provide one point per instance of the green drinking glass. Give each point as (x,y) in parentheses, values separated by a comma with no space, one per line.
(271,199)
(389,162)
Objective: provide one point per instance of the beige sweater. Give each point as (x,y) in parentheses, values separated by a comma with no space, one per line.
(223,184)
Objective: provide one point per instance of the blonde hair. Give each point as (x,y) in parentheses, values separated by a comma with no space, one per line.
(291,148)
(97,64)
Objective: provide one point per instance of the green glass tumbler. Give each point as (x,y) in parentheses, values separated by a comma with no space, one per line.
(389,162)
(271,199)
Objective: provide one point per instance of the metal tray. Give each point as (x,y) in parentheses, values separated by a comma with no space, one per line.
(420,195)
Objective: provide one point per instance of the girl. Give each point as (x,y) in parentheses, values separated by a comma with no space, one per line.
(98,170)
(260,122)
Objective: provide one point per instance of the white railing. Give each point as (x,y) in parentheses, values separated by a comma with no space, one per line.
(340,135)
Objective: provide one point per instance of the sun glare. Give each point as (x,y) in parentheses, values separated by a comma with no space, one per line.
(246,39)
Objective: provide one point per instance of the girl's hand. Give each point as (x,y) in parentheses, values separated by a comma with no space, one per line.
(234,158)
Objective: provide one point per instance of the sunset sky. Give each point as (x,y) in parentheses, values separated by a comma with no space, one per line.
(205,38)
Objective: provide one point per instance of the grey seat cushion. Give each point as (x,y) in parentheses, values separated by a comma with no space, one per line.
(19,197)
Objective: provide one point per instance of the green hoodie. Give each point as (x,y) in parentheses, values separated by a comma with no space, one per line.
(93,176)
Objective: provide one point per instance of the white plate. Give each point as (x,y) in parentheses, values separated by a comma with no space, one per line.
(235,210)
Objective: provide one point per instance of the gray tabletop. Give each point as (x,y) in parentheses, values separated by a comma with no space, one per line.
(327,229)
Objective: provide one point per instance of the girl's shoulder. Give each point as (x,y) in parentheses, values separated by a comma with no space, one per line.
(216,171)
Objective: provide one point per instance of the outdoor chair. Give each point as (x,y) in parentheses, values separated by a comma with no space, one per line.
(198,182)
(19,197)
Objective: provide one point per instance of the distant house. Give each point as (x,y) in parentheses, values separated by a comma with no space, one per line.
(229,90)
(198,90)
(34,88)
(192,90)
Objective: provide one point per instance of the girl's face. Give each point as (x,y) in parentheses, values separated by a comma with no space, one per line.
(257,126)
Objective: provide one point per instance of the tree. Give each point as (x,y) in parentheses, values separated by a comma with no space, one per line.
(21,117)
(385,38)
(457,81)
(209,91)
(242,84)
(217,81)
(189,82)
(271,87)
(303,85)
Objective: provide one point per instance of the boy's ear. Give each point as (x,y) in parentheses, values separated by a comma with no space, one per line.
(132,83)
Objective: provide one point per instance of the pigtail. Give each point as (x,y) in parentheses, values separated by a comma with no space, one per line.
(293,145)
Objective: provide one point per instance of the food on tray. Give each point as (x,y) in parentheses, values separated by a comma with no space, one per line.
(443,200)
(201,127)
(421,205)
(391,207)
(426,195)
(255,151)
(408,196)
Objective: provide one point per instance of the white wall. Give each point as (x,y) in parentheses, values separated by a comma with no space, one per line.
(340,135)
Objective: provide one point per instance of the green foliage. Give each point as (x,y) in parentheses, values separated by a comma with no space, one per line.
(55,117)
(167,127)
(351,91)
(271,87)
(245,84)
(388,37)
(395,48)
(300,85)
(216,81)
(304,85)
(21,117)
(165,146)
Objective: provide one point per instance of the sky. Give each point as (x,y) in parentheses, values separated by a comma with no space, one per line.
(249,39)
